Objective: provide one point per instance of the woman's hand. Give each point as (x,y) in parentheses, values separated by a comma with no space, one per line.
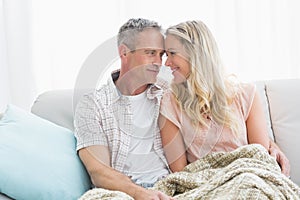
(280,157)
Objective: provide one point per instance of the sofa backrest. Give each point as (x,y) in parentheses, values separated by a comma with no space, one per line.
(261,89)
(279,99)
(55,106)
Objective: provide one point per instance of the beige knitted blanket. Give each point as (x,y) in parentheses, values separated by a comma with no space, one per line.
(246,173)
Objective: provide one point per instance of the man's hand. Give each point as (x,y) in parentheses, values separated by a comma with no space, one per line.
(96,161)
(280,157)
(145,194)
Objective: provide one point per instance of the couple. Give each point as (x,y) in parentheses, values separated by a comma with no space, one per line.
(135,130)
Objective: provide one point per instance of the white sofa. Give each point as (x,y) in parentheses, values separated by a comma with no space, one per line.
(280,98)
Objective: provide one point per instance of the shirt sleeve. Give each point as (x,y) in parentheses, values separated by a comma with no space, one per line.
(170,109)
(87,122)
(246,97)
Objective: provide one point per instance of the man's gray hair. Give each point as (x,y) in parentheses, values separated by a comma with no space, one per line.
(129,31)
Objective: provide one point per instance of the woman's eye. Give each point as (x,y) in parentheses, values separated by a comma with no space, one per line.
(171,53)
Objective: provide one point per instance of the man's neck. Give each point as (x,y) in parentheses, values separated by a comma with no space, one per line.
(129,88)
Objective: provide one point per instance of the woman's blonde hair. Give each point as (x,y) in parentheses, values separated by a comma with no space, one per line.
(206,94)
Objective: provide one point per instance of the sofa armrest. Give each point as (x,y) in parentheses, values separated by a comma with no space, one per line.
(284,98)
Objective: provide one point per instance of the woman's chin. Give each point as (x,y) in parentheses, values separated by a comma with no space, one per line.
(178,80)
(178,77)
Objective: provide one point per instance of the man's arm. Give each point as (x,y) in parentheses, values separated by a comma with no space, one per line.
(280,157)
(102,175)
(96,158)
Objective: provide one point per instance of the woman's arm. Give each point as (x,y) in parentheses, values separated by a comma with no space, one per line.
(257,133)
(173,144)
(257,125)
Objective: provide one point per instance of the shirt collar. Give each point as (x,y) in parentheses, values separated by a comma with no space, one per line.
(153,91)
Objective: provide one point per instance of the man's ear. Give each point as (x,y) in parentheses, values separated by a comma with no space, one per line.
(123,50)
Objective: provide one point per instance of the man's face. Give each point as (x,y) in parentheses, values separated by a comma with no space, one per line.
(145,62)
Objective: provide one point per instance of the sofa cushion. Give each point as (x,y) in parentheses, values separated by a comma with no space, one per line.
(284,98)
(38,159)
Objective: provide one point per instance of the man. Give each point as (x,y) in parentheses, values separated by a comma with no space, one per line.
(116,127)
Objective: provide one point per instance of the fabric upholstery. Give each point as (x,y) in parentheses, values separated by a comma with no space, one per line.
(284,98)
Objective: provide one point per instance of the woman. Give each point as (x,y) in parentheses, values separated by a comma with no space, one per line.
(204,111)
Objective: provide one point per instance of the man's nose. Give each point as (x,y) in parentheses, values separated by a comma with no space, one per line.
(158,59)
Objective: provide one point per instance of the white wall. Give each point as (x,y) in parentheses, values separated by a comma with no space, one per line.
(258,39)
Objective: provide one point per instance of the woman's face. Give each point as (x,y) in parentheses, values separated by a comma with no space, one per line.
(177,59)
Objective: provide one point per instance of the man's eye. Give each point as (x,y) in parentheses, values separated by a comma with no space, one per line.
(150,52)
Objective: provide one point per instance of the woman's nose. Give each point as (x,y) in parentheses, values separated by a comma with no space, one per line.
(168,62)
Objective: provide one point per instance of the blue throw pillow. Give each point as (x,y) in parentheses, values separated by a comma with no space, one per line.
(38,159)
